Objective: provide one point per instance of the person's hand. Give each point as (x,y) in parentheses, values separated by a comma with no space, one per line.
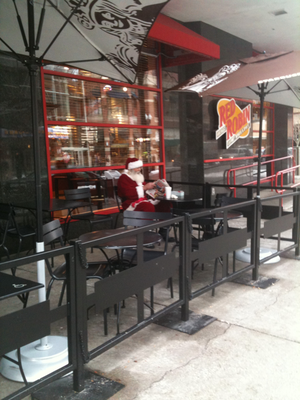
(149,185)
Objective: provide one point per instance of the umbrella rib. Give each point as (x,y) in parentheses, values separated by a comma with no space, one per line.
(270,90)
(62,28)
(102,58)
(38,36)
(295,93)
(21,26)
(15,54)
(254,91)
(283,90)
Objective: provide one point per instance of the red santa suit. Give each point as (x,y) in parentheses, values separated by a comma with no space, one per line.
(128,191)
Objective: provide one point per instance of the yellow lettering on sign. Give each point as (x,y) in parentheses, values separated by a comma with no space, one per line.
(233,120)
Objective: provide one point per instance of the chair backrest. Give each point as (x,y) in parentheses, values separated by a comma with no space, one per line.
(5,212)
(246,211)
(81,194)
(118,200)
(220,196)
(52,231)
(6,221)
(142,218)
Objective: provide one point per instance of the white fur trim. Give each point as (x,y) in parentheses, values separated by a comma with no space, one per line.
(135,164)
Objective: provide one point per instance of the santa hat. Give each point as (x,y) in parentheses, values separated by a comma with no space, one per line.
(132,163)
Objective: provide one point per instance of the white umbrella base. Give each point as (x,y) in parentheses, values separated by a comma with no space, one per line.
(36,362)
(245,255)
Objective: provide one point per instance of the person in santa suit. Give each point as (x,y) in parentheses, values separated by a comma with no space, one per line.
(132,187)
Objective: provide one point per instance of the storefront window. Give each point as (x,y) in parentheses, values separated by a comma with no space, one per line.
(94,124)
(267,128)
(89,146)
(69,99)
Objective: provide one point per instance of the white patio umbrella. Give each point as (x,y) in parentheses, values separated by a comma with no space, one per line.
(101,36)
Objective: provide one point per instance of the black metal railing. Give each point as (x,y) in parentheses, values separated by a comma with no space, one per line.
(207,241)
(29,324)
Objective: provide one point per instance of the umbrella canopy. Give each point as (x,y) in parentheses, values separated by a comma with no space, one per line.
(102,36)
(276,76)
(281,71)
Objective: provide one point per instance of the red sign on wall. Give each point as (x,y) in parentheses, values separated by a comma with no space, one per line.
(233,121)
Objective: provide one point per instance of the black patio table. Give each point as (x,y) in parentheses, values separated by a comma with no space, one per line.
(184,202)
(11,285)
(122,243)
(51,205)
(149,238)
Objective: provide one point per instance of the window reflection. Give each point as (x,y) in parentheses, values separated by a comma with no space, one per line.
(83,101)
(83,146)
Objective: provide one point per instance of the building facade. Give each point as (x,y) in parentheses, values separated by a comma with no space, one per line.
(89,124)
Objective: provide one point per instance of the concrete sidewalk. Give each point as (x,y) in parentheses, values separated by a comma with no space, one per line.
(252,350)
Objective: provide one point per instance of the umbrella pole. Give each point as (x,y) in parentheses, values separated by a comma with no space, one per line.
(262,88)
(33,69)
(33,73)
(261,94)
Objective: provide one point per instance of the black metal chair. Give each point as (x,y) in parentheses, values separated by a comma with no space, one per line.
(22,232)
(138,219)
(120,208)
(53,233)
(84,195)
(5,221)
(10,227)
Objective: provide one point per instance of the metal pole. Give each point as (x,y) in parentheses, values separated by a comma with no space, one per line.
(258,207)
(262,88)
(33,68)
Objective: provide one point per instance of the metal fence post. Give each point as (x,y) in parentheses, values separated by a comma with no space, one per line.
(81,318)
(296,229)
(184,252)
(255,248)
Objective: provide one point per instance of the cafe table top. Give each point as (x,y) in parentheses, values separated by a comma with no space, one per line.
(14,286)
(149,238)
(51,205)
(183,202)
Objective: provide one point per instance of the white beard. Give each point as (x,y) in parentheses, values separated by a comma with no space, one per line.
(138,177)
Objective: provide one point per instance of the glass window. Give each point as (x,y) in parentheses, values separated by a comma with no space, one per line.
(17,177)
(86,146)
(267,117)
(267,129)
(84,101)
